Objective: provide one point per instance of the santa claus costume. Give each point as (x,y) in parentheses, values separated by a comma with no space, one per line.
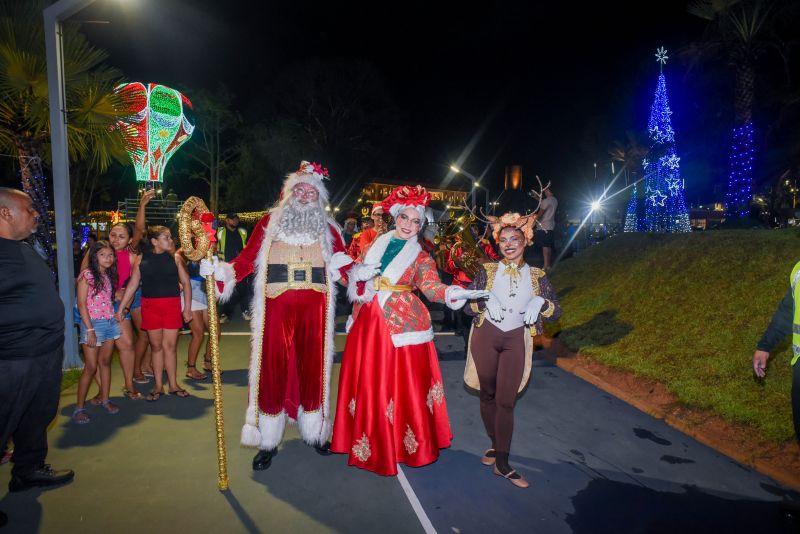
(297,254)
(391,406)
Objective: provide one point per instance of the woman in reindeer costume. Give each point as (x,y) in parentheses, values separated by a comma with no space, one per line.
(391,407)
(499,355)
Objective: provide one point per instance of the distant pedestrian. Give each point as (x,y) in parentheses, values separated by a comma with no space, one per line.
(546,224)
(31,351)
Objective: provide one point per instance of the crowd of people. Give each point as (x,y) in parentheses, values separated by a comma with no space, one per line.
(136,291)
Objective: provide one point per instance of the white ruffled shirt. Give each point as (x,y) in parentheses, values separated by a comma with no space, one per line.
(514,314)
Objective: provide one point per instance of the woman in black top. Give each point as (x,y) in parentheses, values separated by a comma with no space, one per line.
(162,275)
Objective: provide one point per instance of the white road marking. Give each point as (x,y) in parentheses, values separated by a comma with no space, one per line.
(414,501)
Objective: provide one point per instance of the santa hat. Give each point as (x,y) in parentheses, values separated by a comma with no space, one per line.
(309,173)
(377,209)
(403,197)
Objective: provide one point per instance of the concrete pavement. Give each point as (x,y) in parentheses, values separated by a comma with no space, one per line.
(595,464)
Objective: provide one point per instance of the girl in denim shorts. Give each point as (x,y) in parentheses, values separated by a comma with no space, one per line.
(99,328)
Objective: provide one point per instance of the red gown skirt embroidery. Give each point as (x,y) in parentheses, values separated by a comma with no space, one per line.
(391,407)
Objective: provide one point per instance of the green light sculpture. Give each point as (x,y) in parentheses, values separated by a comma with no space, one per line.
(161,119)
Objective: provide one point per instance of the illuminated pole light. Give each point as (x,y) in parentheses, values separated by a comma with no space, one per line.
(595,205)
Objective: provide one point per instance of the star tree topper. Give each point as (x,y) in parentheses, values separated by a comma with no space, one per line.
(661,56)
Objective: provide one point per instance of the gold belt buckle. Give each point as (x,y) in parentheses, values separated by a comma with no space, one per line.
(298,275)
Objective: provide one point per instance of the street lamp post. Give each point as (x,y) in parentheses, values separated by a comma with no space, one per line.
(54,15)
(475,185)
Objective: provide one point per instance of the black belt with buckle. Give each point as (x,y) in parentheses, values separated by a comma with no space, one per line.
(279,273)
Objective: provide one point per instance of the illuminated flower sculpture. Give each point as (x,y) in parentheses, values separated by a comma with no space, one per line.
(160,121)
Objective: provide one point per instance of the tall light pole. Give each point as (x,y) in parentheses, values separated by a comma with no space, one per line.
(475,185)
(54,15)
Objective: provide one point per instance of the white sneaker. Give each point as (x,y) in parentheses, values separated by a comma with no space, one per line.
(223,319)
(247,315)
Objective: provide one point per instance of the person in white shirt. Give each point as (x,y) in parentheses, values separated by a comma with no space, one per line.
(499,354)
(545,224)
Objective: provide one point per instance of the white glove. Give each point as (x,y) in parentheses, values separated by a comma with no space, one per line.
(339,260)
(459,293)
(207,268)
(494,309)
(533,309)
(366,271)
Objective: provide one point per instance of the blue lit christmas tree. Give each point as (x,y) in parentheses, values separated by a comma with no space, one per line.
(632,214)
(664,203)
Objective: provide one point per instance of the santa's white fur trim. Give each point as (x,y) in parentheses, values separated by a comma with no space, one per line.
(251,436)
(314,429)
(228,281)
(271,428)
(338,260)
(412,338)
(449,302)
(349,324)
(352,286)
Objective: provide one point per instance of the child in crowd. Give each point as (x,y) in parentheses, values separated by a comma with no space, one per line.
(99,328)
(199,324)
(162,276)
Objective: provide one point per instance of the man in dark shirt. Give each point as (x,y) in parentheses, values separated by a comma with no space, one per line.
(31,346)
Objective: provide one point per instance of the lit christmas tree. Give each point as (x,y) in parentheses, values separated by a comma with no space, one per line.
(632,214)
(665,207)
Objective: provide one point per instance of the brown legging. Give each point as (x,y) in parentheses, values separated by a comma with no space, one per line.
(500,360)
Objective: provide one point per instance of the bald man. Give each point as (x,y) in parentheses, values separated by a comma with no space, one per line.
(31,346)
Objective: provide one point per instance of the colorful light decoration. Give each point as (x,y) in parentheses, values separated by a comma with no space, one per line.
(161,120)
(664,203)
(740,182)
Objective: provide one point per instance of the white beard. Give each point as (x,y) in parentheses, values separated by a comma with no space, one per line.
(301,224)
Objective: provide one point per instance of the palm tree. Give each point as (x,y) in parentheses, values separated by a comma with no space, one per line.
(91,106)
(630,154)
(740,31)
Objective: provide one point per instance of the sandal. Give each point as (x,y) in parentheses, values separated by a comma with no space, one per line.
(207,366)
(141,379)
(192,376)
(489,457)
(153,396)
(80,416)
(148,374)
(95,401)
(131,394)
(517,480)
(182,393)
(110,406)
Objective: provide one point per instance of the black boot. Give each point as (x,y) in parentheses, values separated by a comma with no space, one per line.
(263,459)
(43,476)
(324,449)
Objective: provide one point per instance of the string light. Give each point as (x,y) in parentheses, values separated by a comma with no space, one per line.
(664,199)
(740,181)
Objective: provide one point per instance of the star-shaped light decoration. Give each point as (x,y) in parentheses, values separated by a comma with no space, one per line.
(661,56)
(658,198)
(672,161)
(674,185)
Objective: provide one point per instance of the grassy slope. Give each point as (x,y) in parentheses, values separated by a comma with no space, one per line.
(687,310)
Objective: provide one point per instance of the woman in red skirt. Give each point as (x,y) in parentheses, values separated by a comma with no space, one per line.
(391,407)
(162,274)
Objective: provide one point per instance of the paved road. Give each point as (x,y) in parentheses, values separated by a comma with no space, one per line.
(595,463)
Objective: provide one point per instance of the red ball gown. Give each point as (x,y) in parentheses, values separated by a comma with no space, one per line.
(391,406)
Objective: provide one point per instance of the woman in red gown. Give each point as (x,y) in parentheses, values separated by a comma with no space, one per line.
(391,407)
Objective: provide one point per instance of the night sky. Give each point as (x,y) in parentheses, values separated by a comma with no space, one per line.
(549,85)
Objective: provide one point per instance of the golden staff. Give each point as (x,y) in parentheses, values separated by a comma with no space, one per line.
(189,230)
